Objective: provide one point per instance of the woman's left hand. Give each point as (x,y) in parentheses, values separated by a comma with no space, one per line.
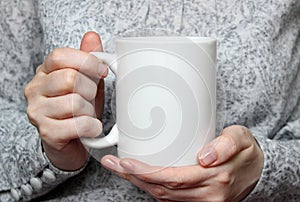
(229,168)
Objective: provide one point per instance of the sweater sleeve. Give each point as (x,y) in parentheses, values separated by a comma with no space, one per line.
(25,171)
(280,178)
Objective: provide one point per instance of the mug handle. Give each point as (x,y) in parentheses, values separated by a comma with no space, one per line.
(113,136)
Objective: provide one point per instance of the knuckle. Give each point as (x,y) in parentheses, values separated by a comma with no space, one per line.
(229,140)
(77,103)
(30,111)
(38,68)
(176,183)
(228,137)
(157,192)
(29,90)
(244,130)
(231,130)
(247,136)
(252,149)
(225,178)
(44,132)
(56,55)
(32,114)
(65,105)
(69,78)
(242,133)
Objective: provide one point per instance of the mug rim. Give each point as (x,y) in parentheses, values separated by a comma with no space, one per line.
(165,39)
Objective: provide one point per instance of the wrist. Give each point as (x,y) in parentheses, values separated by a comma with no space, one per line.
(64,159)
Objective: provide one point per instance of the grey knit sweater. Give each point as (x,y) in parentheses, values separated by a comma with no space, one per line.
(258,74)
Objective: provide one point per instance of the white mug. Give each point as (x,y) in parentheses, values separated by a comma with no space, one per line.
(165,98)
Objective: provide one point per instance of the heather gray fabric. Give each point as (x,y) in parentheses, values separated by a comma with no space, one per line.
(258,65)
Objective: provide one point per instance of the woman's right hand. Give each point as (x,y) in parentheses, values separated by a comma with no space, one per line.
(61,101)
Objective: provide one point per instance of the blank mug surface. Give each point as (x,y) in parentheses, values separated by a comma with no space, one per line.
(165,98)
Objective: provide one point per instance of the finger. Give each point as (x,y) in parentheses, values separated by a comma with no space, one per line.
(232,140)
(66,81)
(113,163)
(67,106)
(59,132)
(91,42)
(81,61)
(164,193)
(171,177)
(198,193)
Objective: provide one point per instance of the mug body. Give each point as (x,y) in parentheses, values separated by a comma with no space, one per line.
(165,98)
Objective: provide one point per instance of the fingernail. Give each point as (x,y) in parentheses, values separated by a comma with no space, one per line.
(102,68)
(109,163)
(208,158)
(127,165)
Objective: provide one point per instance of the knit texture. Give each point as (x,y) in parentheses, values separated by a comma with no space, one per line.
(258,81)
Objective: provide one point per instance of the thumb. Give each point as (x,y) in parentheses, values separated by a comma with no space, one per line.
(91,41)
(232,140)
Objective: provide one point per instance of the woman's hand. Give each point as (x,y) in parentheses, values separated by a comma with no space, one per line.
(229,168)
(61,101)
